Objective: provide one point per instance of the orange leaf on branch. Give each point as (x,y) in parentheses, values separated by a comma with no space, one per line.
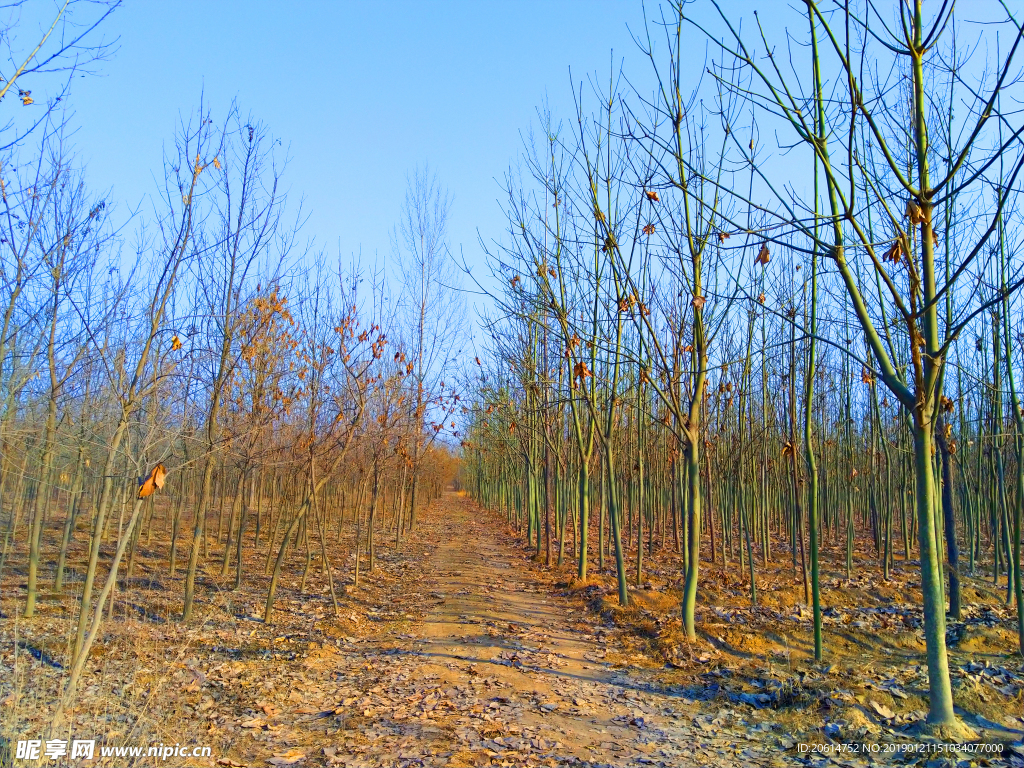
(894,254)
(762,256)
(154,481)
(581,372)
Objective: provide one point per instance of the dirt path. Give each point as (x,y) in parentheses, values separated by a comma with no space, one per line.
(500,672)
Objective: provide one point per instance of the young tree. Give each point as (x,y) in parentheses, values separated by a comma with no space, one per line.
(431,307)
(248,236)
(878,165)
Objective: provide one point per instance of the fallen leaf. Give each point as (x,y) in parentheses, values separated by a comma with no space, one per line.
(290,757)
(881,710)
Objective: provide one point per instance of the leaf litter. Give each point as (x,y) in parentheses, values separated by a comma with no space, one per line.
(458,650)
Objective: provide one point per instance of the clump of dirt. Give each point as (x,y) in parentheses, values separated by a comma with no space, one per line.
(950,732)
(982,639)
(655,600)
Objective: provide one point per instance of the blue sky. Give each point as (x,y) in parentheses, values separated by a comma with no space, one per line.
(359,93)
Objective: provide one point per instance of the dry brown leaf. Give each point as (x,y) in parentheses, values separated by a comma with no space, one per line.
(153,482)
(762,256)
(914,213)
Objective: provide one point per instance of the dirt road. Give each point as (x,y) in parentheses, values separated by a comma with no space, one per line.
(501,672)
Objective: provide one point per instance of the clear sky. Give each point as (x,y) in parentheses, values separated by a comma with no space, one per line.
(358,92)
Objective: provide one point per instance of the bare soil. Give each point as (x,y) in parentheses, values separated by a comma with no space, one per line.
(460,649)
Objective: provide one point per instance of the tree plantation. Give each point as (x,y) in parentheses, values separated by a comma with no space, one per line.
(733,473)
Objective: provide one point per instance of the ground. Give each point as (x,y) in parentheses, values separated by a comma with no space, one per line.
(460,649)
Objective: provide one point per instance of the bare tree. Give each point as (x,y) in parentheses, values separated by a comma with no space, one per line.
(63,45)
(249,207)
(431,307)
